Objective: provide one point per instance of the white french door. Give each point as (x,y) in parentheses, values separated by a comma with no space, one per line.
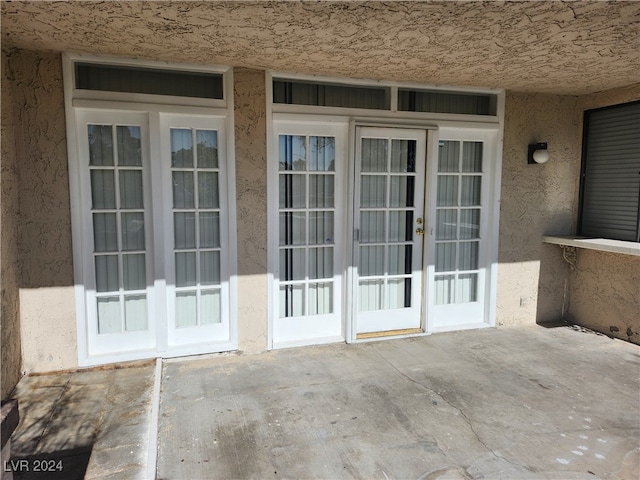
(194,180)
(118,273)
(460,235)
(308,284)
(422,229)
(389,228)
(155,238)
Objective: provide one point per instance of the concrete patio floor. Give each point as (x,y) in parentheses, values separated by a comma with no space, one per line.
(508,403)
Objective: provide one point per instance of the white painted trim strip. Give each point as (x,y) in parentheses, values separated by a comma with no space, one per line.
(152,446)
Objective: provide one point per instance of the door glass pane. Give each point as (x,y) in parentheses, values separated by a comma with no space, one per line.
(472,157)
(448,156)
(402,191)
(307,226)
(185,269)
(322,153)
(131,189)
(207,148)
(293,191)
(291,300)
(293,152)
(399,292)
(133,272)
(103,189)
(371,261)
(135,313)
(320,263)
(132,231)
(181,148)
(186,309)
(446,224)
(373,191)
(372,227)
(209,229)
(469,223)
(210,307)
(374,155)
(210,268)
(401,226)
(444,289)
(320,228)
(100,145)
(454,223)
(470,187)
(466,288)
(184,230)
(400,258)
(403,155)
(447,191)
(468,256)
(445,257)
(293,228)
(129,146)
(208,190)
(107,273)
(183,190)
(105,233)
(109,315)
(321,191)
(292,264)
(370,294)
(320,298)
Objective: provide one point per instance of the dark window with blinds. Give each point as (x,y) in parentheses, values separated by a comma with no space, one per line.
(434,101)
(331,95)
(610,181)
(155,81)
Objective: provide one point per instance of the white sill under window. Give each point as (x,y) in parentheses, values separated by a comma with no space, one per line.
(600,244)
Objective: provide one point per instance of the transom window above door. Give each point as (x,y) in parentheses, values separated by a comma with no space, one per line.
(377,96)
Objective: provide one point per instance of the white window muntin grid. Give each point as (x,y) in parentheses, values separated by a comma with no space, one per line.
(307,210)
(116,168)
(198,288)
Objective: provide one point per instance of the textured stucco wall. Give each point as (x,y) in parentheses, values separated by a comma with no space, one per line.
(251,194)
(605,294)
(536,200)
(604,290)
(533,46)
(47,305)
(9,273)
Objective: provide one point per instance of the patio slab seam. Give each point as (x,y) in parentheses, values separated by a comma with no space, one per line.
(458,409)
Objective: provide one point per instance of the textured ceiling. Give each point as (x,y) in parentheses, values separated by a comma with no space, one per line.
(533,46)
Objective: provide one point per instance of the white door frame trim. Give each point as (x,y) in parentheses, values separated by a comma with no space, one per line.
(76,100)
(389,118)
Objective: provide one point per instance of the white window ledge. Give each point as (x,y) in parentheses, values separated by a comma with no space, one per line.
(601,244)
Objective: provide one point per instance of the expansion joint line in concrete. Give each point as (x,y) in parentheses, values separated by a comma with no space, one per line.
(152,448)
(54,410)
(462,414)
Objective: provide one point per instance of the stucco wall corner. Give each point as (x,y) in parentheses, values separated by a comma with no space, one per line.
(536,200)
(251,196)
(10,344)
(47,300)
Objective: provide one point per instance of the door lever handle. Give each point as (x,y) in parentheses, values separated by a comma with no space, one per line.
(419,231)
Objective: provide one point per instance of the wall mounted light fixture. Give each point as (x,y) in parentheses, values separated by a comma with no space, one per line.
(538,153)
